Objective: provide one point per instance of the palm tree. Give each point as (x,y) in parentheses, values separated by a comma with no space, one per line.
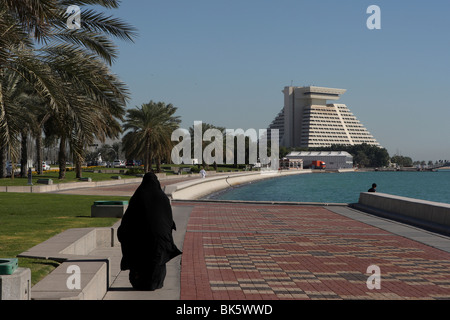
(42,115)
(12,118)
(149,132)
(97,97)
(69,70)
(97,100)
(205,127)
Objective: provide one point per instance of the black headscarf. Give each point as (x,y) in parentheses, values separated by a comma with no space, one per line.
(145,232)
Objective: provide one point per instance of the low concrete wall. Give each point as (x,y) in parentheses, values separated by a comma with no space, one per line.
(76,241)
(16,286)
(192,190)
(85,184)
(434,216)
(75,247)
(67,186)
(93,278)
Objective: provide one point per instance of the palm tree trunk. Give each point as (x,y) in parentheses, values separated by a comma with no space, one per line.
(78,172)
(148,156)
(39,152)
(62,158)
(2,162)
(158,164)
(24,155)
(146,160)
(2,147)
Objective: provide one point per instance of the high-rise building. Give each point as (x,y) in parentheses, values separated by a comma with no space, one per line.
(307,120)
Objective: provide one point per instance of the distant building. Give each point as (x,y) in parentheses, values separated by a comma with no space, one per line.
(308,121)
(332,159)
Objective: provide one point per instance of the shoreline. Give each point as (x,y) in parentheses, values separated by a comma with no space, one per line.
(390,182)
(213,196)
(199,188)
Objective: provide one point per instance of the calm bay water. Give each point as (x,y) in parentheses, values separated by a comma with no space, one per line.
(344,187)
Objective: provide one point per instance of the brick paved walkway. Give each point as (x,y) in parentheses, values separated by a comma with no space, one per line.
(250,251)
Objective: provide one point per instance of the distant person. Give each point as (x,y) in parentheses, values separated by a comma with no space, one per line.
(203,173)
(373,189)
(145,234)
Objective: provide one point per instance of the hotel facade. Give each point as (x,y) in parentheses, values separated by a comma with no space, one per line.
(307,120)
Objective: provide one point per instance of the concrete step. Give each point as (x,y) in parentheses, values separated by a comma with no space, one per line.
(62,283)
(90,261)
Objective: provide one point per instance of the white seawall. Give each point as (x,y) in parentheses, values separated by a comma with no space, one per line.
(196,189)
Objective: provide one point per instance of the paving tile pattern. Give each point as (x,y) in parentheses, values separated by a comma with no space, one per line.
(257,252)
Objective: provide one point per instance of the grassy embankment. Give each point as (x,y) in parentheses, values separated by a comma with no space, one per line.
(27,219)
(53,174)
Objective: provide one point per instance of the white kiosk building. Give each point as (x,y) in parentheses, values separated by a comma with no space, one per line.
(334,160)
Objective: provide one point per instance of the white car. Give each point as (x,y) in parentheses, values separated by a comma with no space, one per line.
(9,168)
(118,163)
(45,166)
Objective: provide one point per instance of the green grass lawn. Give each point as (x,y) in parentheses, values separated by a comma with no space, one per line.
(27,219)
(70,177)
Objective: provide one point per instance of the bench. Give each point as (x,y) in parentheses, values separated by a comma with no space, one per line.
(45,181)
(180,170)
(176,170)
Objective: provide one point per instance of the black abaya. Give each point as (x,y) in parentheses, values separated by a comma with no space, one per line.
(145,234)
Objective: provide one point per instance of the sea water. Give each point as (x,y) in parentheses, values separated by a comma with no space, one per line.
(344,187)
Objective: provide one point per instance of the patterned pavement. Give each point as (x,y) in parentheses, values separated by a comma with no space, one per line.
(257,252)
(237,251)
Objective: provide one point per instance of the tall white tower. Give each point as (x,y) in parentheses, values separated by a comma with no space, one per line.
(307,120)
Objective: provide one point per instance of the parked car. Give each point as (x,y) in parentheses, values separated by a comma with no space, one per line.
(118,163)
(9,168)
(45,166)
(130,163)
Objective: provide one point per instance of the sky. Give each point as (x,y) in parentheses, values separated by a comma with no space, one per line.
(225,62)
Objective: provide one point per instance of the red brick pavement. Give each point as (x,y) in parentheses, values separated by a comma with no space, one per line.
(256,252)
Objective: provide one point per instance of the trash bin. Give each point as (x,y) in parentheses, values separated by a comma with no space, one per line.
(8,265)
(110,203)
(109,208)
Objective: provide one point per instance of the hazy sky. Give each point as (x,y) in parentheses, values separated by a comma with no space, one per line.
(225,62)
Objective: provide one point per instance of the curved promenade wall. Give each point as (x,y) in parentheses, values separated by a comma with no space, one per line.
(196,189)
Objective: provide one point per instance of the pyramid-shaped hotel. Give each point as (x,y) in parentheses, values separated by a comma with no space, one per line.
(308,121)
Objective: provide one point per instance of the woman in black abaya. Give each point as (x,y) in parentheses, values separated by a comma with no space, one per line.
(145,235)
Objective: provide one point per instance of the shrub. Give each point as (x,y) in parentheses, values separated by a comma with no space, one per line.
(132,171)
(195,169)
